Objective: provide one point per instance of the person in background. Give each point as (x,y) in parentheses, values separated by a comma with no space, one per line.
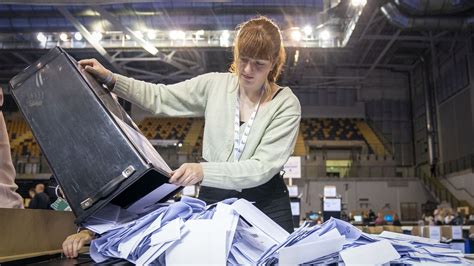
(449,216)
(31,192)
(372,216)
(470,220)
(396,220)
(438,216)
(41,199)
(458,219)
(9,198)
(251,123)
(380,220)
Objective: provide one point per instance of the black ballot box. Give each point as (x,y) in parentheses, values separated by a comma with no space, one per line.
(96,153)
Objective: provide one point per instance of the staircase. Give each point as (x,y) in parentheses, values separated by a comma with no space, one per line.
(438,190)
(194,132)
(374,142)
(300,147)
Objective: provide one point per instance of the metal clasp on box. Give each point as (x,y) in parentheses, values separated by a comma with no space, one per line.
(108,188)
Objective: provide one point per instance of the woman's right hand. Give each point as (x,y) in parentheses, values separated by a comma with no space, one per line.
(97,70)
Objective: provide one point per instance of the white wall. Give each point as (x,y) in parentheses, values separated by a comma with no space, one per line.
(379,193)
(461,185)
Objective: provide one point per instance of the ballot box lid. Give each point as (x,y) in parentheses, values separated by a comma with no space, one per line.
(94,149)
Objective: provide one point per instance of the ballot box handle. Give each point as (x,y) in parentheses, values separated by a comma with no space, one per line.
(108,188)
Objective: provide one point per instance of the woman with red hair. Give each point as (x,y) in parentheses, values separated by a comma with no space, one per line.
(251,123)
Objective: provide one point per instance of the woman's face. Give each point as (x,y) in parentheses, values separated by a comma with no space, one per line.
(253,72)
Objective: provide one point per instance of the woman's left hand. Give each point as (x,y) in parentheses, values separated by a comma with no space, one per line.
(187,174)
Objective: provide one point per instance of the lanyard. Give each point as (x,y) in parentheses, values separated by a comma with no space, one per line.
(239,142)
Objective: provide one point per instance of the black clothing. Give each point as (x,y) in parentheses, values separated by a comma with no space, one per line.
(40,201)
(271,198)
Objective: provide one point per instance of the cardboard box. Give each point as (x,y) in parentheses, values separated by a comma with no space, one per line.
(29,233)
(392,228)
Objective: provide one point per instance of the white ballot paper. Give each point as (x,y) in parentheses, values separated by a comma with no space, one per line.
(379,252)
(301,253)
(204,244)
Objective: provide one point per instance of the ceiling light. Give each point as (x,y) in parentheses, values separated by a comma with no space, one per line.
(296,35)
(324,35)
(151,35)
(139,34)
(78,36)
(358,2)
(41,37)
(63,37)
(225,35)
(308,30)
(97,36)
(177,34)
(224,39)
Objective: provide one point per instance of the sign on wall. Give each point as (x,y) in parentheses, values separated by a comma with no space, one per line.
(293,167)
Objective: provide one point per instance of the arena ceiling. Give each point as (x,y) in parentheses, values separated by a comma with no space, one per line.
(329,42)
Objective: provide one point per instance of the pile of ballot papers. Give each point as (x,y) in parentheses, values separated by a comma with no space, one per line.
(235,232)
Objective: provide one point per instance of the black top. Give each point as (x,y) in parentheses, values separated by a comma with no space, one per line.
(279,90)
(40,201)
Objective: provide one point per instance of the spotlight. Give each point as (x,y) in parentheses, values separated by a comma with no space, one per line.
(63,37)
(358,2)
(41,37)
(151,35)
(307,30)
(324,35)
(225,35)
(97,36)
(224,39)
(296,35)
(78,36)
(139,34)
(177,34)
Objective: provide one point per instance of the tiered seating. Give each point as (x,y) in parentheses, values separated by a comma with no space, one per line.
(165,128)
(300,146)
(371,138)
(194,137)
(22,142)
(189,131)
(330,129)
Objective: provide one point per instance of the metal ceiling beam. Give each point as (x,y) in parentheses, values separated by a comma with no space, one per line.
(116,22)
(369,47)
(84,2)
(369,24)
(412,38)
(88,36)
(22,57)
(382,54)
(141,71)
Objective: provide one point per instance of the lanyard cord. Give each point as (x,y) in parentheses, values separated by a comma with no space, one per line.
(239,142)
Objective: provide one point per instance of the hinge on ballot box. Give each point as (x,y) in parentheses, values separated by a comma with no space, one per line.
(108,188)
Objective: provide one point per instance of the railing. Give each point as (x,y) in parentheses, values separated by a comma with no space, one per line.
(463,163)
(318,171)
(438,190)
(387,145)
